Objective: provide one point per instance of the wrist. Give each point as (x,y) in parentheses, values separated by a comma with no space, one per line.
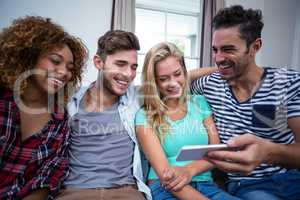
(191,170)
(272,152)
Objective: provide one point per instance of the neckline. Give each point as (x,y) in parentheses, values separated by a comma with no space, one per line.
(254,94)
(183,118)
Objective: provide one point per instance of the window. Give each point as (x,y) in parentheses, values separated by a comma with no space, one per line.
(174,21)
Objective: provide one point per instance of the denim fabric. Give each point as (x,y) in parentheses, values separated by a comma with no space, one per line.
(279,186)
(208,189)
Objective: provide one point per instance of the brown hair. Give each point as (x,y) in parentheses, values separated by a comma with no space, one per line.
(116,40)
(22,43)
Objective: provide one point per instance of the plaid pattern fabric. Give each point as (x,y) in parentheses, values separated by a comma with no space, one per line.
(40,161)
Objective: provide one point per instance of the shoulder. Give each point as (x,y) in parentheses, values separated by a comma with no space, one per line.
(199,106)
(141,112)
(132,94)
(197,98)
(212,79)
(141,117)
(199,101)
(282,75)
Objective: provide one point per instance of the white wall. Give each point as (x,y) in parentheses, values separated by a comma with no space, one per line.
(87,19)
(279,35)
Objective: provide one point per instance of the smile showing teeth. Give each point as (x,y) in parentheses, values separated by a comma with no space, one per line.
(55,81)
(174,91)
(124,83)
(224,66)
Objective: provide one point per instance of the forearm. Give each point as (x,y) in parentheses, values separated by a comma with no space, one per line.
(199,72)
(189,193)
(284,155)
(37,195)
(198,167)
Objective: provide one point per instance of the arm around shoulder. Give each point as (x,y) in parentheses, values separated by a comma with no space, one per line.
(203,71)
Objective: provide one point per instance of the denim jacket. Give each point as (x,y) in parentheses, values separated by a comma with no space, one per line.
(128,106)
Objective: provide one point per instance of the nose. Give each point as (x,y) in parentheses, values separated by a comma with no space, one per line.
(62,70)
(173,82)
(128,72)
(219,57)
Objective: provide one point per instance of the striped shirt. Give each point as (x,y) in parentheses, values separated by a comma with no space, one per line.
(264,115)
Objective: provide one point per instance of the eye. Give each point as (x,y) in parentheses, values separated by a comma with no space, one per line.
(162,79)
(134,67)
(177,73)
(214,50)
(228,50)
(120,64)
(55,61)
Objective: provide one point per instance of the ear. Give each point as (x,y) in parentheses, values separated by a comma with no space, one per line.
(98,62)
(256,45)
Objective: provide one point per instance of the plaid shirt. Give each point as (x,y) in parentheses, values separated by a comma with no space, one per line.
(39,161)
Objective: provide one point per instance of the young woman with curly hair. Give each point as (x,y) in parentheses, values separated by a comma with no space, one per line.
(40,65)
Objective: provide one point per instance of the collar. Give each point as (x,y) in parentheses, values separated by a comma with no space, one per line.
(124,99)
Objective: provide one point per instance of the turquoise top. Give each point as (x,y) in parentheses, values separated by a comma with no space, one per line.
(189,130)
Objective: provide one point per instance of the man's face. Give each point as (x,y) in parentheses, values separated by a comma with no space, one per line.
(119,70)
(231,53)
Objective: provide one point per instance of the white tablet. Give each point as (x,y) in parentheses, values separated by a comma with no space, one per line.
(196,152)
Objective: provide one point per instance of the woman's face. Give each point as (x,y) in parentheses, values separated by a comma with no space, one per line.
(170,78)
(54,70)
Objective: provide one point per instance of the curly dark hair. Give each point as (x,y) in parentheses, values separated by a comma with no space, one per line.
(249,21)
(116,40)
(22,43)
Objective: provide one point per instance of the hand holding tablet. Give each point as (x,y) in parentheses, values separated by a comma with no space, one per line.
(196,152)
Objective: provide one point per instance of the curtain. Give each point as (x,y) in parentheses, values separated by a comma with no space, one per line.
(210,8)
(296,49)
(123,15)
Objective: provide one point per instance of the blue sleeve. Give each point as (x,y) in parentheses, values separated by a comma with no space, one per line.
(141,118)
(205,109)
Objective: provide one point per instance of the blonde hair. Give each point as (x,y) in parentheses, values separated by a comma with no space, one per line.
(154,105)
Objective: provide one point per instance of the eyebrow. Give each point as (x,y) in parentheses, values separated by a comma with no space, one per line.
(224,47)
(125,62)
(176,71)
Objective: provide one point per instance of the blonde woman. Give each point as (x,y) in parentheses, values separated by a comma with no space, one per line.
(170,119)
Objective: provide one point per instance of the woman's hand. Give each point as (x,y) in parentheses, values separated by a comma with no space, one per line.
(175,178)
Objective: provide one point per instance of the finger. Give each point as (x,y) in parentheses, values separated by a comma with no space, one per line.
(229,156)
(242,140)
(180,185)
(173,183)
(168,175)
(231,167)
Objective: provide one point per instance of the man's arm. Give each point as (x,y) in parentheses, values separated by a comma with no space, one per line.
(199,72)
(288,155)
(255,151)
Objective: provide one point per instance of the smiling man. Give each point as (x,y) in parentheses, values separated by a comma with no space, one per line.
(104,158)
(256,110)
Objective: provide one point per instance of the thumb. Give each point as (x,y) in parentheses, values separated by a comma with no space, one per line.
(242,140)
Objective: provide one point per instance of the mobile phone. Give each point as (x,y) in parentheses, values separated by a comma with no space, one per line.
(196,152)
